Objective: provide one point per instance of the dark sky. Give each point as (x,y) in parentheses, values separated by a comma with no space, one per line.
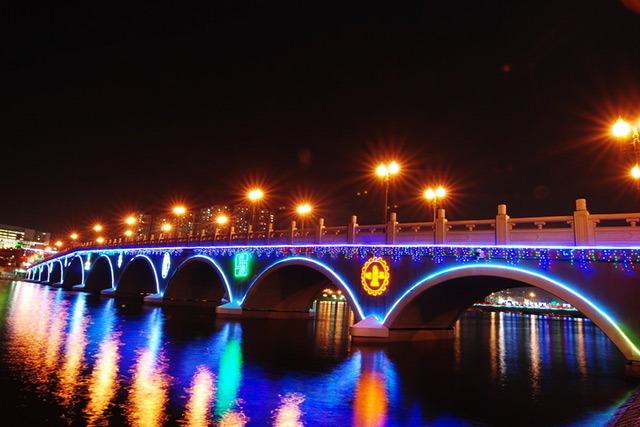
(108,107)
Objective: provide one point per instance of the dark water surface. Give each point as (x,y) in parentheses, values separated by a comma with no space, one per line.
(77,359)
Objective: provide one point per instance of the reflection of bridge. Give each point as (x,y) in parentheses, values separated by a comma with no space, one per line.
(398,287)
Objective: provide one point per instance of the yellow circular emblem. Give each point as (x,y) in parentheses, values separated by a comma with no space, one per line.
(375,276)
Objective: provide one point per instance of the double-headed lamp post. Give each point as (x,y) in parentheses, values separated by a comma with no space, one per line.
(622,129)
(432,196)
(386,172)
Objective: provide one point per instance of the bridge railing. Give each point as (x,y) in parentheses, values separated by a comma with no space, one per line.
(579,229)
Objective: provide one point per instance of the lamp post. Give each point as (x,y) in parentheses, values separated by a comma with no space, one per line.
(98,229)
(221,221)
(303,210)
(179,211)
(432,196)
(166,228)
(254,196)
(386,172)
(622,129)
(130,221)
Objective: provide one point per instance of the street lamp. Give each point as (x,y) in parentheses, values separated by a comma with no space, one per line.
(303,210)
(255,196)
(179,211)
(622,129)
(386,172)
(129,221)
(221,221)
(166,228)
(433,196)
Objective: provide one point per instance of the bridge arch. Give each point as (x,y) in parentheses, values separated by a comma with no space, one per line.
(198,278)
(56,272)
(139,277)
(438,300)
(292,284)
(43,273)
(101,275)
(74,273)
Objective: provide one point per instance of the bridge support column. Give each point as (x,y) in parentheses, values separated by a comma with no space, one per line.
(153,299)
(230,309)
(292,233)
(351,229)
(369,329)
(440,228)
(392,229)
(502,226)
(319,231)
(583,227)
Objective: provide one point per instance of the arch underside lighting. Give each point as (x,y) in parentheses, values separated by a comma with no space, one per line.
(602,319)
(319,267)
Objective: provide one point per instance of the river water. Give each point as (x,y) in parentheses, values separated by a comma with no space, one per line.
(78,359)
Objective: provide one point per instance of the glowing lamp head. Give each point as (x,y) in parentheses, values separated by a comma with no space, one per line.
(166,227)
(635,172)
(440,192)
(394,168)
(386,171)
(621,128)
(429,194)
(304,209)
(255,194)
(128,233)
(222,220)
(179,210)
(100,240)
(58,243)
(74,236)
(97,227)
(131,220)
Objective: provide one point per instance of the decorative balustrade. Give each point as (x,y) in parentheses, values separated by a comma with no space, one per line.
(579,229)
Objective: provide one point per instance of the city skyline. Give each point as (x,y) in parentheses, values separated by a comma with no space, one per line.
(107,111)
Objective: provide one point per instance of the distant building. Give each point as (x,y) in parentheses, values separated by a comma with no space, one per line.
(141,229)
(205,220)
(18,237)
(243,215)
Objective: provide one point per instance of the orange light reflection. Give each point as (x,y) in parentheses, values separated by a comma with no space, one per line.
(148,394)
(103,383)
(201,395)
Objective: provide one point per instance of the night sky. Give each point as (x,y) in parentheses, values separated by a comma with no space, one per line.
(108,107)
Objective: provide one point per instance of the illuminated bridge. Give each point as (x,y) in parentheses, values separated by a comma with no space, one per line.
(402,281)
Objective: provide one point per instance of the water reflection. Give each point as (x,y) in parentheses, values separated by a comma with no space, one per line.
(148,393)
(36,330)
(289,413)
(371,401)
(201,395)
(103,382)
(230,371)
(69,374)
(121,363)
(534,355)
